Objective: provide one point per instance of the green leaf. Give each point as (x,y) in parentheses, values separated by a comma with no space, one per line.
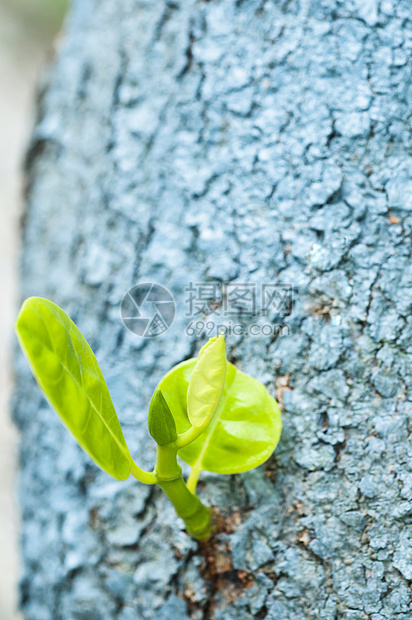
(246,427)
(161,423)
(68,373)
(207,381)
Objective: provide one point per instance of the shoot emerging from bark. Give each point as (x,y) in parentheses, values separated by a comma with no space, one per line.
(204,411)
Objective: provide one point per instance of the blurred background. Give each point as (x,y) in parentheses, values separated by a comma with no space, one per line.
(28,31)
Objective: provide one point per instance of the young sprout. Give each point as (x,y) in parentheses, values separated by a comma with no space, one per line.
(206,411)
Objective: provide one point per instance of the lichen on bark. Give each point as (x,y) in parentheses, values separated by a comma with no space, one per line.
(252,141)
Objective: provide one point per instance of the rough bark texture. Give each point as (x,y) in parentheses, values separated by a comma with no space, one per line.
(257,141)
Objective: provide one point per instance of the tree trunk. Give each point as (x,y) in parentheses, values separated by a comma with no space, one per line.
(252,142)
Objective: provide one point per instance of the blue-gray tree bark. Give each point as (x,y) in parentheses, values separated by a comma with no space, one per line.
(249,141)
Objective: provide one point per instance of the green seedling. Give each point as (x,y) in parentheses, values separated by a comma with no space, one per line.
(206,411)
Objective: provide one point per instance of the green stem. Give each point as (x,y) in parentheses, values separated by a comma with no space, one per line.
(143,476)
(197,516)
(184,439)
(193,478)
(167,467)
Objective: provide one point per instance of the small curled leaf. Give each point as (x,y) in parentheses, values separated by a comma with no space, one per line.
(161,423)
(246,427)
(207,381)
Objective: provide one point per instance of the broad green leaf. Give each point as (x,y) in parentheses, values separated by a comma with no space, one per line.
(246,427)
(161,423)
(207,381)
(68,373)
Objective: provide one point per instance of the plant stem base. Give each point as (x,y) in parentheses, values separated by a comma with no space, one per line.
(197,517)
